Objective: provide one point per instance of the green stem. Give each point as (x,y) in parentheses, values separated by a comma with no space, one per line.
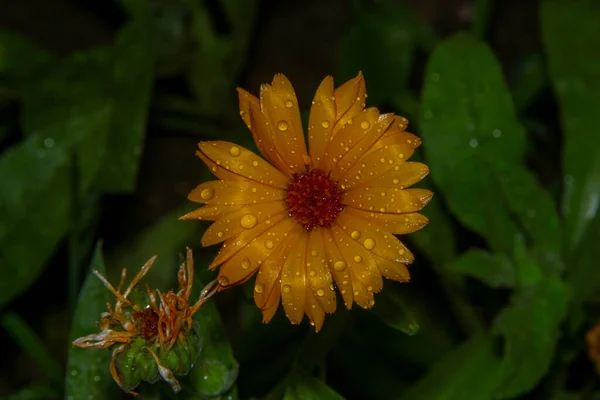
(32,345)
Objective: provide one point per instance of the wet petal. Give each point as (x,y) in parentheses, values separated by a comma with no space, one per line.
(375,164)
(269,273)
(209,212)
(388,200)
(349,136)
(350,100)
(242,162)
(314,312)
(392,270)
(373,238)
(264,139)
(356,152)
(338,267)
(321,120)
(409,173)
(271,306)
(279,104)
(241,265)
(246,100)
(228,193)
(398,224)
(362,295)
(293,282)
(237,243)
(240,220)
(319,275)
(359,260)
(397,137)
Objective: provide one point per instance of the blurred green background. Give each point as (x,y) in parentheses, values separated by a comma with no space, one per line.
(102,103)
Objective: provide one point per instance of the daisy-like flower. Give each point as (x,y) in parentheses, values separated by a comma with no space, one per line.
(152,334)
(308,221)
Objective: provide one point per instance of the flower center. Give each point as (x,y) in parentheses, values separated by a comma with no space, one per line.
(146,321)
(313,199)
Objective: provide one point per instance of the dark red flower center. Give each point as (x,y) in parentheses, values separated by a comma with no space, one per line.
(146,321)
(313,199)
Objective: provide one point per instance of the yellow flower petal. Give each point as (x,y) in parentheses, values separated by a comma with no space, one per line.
(377,163)
(374,239)
(349,136)
(319,275)
(279,104)
(392,270)
(228,193)
(399,137)
(314,312)
(398,224)
(244,218)
(359,260)
(246,100)
(362,296)
(271,306)
(338,267)
(409,173)
(293,282)
(321,121)
(239,242)
(350,100)
(356,152)
(269,273)
(242,162)
(209,212)
(388,200)
(265,140)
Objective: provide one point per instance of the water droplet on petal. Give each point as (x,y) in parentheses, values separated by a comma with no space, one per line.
(223,281)
(259,288)
(312,273)
(339,266)
(355,235)
(365,124)
(207,193)
(286,288)
(234,151)
(255,163)
(357,259)
(248,221)
(268,244)
(369,244)
(246,263)
(320,292)
(325,124)
(289,104)
(282,126)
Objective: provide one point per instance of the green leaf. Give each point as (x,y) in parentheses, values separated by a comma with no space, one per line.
(393,309)
(381,44)
(571,37)
(300,385)
(475,145)
(494,269)
(469,372)
(218,58)
(582,273)
(19,58)
(216,369)
(530,327)
(88,373)
(530,82)
(34,211)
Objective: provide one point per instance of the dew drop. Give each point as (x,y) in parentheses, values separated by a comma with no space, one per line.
(255,163)
(259,288)
(357,259)
(369,244)
(246,263)
(268,244)
(282,126)
(96,378)
(248,221)
(234,151)
(207,193)
(339,266)
(497,133)
(223,281)
(312,273)
(325,124)
(286,288)
(473,143)
(320,292)
(401,252)
(396,181)
(220,234)
(355,235)
(289,104)
(365,124)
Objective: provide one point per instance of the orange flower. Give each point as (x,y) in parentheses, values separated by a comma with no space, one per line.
(310,221)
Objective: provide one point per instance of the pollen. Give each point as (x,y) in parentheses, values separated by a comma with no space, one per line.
(313,199)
